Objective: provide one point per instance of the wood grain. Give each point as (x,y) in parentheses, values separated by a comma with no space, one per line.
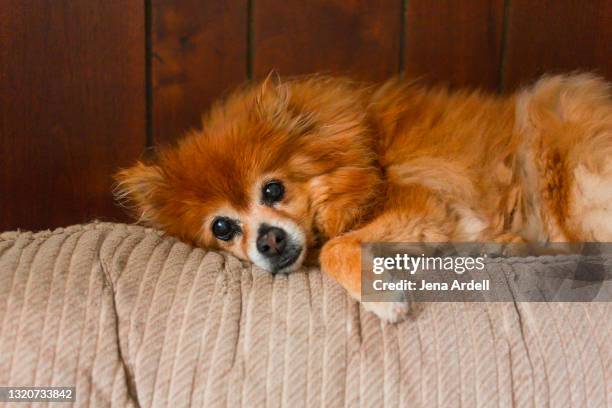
(455,42)
(360,38)
(72,73)
(72,108)
(199,51)
(557,36)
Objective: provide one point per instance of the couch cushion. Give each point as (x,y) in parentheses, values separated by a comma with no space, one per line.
(132,317)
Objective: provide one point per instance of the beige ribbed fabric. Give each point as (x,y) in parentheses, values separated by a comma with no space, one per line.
(133,318)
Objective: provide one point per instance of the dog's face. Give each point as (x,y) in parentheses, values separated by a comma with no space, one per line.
(276,170)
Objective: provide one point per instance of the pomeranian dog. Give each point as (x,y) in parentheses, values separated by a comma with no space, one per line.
(309,168)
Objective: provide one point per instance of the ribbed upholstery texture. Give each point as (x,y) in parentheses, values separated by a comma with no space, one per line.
(133,318)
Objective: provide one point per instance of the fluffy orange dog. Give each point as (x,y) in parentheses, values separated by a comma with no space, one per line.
(280,171)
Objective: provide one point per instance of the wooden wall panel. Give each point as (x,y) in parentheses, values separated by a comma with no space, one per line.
(557,36)
(74,95)
(360,38)
(72,108)
(199,50)
(454,42)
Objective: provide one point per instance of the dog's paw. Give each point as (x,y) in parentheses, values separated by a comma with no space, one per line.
(391,312)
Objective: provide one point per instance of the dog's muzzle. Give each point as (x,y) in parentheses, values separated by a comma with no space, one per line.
(275,245)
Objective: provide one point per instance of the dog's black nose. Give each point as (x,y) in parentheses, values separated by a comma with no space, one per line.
(271,241)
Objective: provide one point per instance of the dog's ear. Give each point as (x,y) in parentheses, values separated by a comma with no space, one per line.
(140,188)
(273,105)
(272,98)
(273,83)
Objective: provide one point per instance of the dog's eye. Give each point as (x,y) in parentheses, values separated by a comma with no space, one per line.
(224,228)
(272,192)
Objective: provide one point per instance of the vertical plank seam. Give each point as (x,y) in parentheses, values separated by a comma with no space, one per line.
(402,33)
(249,40)
(504,49)
(148,76)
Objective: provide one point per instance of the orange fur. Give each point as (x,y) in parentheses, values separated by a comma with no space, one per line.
(396,162)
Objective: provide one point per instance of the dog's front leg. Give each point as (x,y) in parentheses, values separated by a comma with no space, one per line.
(340,257)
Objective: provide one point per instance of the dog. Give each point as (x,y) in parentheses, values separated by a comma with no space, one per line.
(307,169)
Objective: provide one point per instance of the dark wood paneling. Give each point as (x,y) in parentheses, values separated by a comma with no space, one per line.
(72,73)
(199,51)
(72,107)
(557,36)
(455,42)
(356,37)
